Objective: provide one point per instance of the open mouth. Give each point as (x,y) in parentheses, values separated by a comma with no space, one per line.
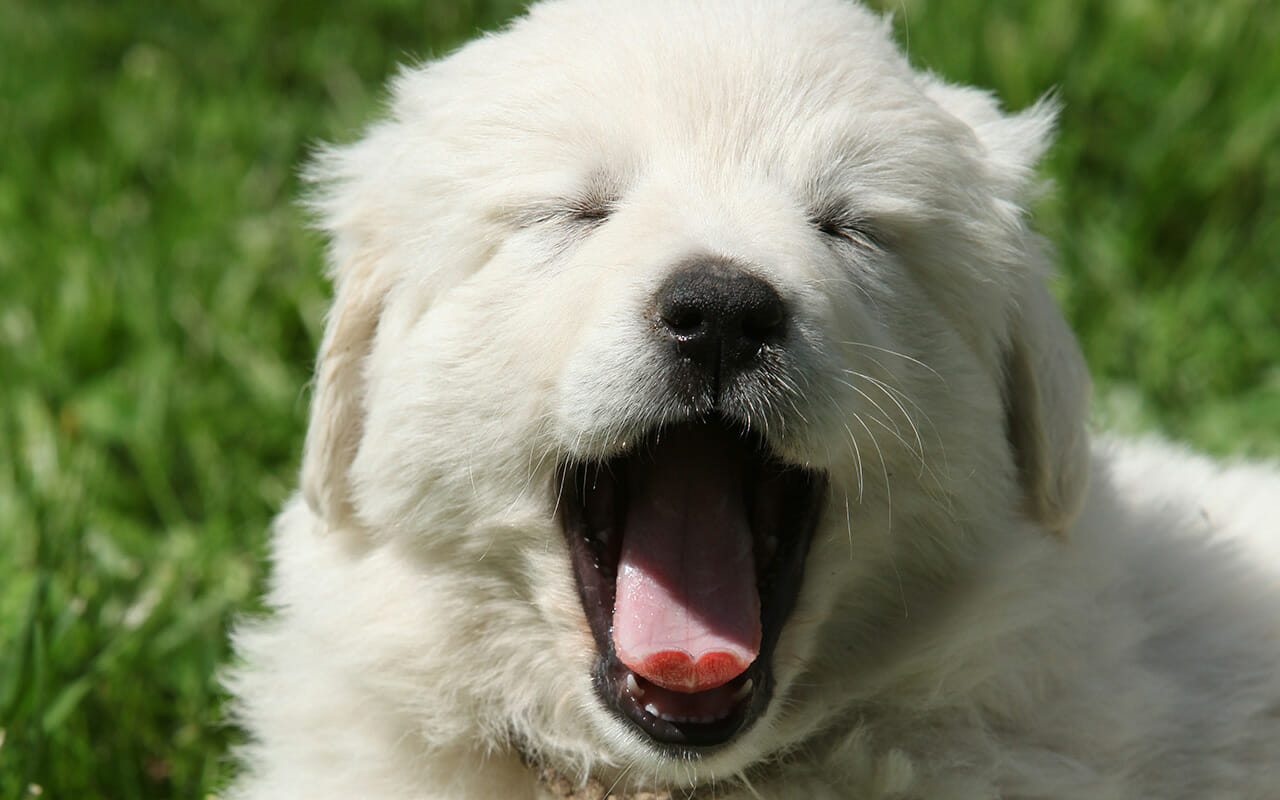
(689,551)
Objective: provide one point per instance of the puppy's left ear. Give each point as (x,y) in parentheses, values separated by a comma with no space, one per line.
(1046,403)
(1046,382)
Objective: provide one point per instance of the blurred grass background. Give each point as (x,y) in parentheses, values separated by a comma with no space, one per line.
(161,300)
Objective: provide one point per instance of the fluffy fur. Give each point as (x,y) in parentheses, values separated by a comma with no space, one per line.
(993,606)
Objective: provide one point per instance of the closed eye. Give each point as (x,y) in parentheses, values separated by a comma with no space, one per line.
(844,228)
(589,209)
(564,212)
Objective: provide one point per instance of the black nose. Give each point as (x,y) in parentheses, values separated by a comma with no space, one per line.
(719,317)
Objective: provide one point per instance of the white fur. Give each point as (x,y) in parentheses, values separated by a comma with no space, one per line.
(993,607)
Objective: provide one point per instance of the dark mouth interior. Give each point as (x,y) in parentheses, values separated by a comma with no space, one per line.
(707,472)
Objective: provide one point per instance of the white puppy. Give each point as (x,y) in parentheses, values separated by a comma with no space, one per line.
(692,420)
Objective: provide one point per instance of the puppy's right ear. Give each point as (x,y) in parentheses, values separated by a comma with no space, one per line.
(338,404)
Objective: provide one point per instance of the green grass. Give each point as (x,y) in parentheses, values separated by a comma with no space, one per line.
(160,303)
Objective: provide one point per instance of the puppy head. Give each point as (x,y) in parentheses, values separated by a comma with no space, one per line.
(625,307)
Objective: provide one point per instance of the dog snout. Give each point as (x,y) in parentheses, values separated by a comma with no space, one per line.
(718,317)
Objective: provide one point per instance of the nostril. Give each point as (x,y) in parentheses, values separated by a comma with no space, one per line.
(764,321)
(683,320)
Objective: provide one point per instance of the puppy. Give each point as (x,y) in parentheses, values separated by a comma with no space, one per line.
(692,420)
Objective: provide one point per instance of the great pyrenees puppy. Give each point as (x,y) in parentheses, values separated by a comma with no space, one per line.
(693,421)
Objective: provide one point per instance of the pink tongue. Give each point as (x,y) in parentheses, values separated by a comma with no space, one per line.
(686,615)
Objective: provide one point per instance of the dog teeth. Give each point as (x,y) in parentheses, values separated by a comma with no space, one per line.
(653,711)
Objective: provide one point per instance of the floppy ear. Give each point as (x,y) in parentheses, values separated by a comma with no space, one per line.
(338,404)
(1046,392)
(1046,402)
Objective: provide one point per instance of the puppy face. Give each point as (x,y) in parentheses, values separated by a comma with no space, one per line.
(676,349)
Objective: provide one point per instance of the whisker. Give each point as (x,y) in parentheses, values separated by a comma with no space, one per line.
(866,397)
(937,435)
(848,521)
(563,478)
(532,468)
(884,388)
(746,783)
(904,356)
(618,780)
(857,455)
(888,489)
